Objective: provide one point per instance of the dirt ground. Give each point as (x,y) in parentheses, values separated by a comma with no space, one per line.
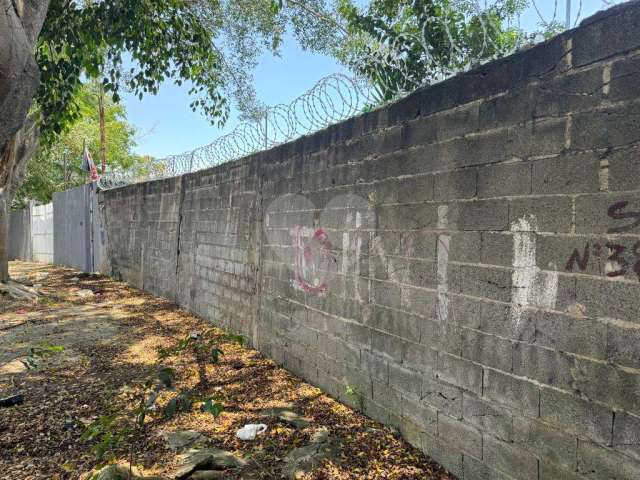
(111,338)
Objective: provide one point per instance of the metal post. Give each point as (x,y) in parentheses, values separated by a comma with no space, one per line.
(568,11)
(92,267)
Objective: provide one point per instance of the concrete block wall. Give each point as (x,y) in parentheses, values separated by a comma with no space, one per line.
(218,246)
(193,239)
(142,223)
(463,264)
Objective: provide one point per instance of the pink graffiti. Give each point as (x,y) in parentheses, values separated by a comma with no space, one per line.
(313,261)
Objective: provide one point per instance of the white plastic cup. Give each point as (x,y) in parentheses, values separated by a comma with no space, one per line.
(251,431)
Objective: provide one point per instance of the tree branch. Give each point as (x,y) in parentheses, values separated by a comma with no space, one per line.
(319,15)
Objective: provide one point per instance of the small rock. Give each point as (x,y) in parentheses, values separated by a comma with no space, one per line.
(181,439)
(74,279)
(14,366)
(320,436)
(208,458)
(84,293)
(114,472)
(208,475)
(303,460)
(288,416)
(120,472)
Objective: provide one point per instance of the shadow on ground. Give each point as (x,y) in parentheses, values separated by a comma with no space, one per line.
(110,337)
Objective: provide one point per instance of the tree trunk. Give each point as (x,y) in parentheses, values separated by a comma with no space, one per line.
(4,234)
(20,25)
(13,166)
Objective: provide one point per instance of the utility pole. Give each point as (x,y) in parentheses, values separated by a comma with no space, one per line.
(568,12)
(65,180)
(103,142)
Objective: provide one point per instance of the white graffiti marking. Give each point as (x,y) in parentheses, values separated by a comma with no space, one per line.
(442,310)
(531,287)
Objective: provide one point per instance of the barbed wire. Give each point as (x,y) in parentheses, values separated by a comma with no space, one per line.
(338,97)
(331,100)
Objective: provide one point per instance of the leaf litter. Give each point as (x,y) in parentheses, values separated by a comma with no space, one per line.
(110,340)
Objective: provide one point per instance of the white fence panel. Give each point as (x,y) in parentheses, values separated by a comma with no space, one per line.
(42,233)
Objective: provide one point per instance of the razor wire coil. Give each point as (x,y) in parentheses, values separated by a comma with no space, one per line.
(333,99)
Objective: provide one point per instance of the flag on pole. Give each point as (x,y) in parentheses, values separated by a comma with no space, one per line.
(88,165)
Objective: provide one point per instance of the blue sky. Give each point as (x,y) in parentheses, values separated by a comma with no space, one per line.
(166,124)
